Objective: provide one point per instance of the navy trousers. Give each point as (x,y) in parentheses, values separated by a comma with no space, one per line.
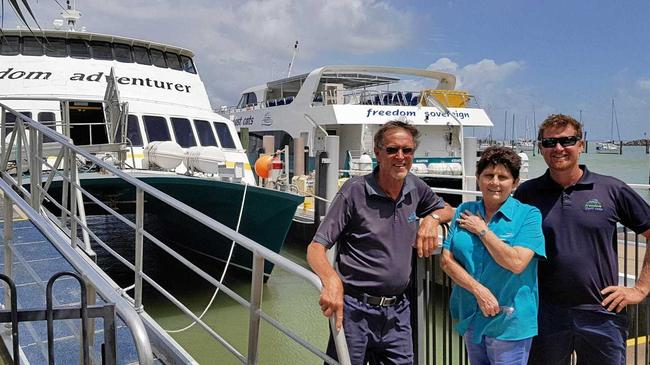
(597,336)
(376,335)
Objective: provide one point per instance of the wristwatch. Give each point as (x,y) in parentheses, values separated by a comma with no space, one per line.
(435,216)
(482,233)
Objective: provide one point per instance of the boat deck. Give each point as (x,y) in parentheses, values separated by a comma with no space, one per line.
(35,261)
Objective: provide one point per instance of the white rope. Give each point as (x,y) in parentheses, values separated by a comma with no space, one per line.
(310,194)
(225,269)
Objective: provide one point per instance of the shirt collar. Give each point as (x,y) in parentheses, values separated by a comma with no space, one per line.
(587,178)
(373,188)
(507,209)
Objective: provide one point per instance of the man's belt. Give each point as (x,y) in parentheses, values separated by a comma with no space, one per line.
(373,300)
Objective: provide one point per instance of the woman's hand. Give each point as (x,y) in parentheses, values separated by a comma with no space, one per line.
(472,223)
(486,301)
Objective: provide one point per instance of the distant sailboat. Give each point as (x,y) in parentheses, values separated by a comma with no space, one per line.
(609,147)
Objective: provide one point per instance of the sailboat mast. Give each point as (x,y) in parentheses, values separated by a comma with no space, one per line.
(293,58)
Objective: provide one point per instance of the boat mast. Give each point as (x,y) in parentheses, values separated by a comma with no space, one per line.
(71,15)
(293,58)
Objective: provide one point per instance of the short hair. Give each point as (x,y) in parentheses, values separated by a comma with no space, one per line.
(559,121)
(394,124)
(496,155)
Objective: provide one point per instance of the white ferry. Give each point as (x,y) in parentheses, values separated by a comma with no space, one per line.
(155,121)
(352,102)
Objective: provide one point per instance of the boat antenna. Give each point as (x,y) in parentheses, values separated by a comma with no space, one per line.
(293,58)
(71,15)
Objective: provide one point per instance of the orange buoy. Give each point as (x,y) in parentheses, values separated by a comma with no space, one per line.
(263,166)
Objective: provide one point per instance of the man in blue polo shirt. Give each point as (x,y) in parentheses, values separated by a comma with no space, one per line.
(581,305)
(376,220)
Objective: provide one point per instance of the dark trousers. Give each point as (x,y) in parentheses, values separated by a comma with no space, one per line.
(374,334)
(597,336)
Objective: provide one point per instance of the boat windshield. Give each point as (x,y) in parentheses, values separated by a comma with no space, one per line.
(156,128)
(206,137)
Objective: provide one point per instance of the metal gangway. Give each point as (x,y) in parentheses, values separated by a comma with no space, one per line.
(27,173)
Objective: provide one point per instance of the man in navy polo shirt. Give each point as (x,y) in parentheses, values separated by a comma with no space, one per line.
(377,219)
(581,305)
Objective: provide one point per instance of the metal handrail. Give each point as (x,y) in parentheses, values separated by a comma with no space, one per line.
(122,306)
(259,252)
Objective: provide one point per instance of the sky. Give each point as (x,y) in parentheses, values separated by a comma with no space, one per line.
(529,58)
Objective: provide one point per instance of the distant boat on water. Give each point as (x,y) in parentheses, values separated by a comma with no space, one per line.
(609,147)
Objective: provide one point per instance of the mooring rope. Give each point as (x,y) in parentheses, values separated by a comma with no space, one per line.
(225,269)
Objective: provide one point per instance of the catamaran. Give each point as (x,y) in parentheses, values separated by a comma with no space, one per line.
(352,102)
(142,105)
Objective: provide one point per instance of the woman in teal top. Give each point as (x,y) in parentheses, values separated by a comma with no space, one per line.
(491,254)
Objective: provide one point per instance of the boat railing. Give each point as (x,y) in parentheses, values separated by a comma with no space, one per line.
(109,292)
(23,152)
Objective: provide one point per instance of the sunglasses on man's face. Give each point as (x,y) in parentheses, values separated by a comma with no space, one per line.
(405,150)
(563,141)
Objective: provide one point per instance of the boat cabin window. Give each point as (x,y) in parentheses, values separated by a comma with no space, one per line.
(156,128)
(141,56)
(247,99)
(55,47)
(122,53)
(223,133)
(188,65)
(158,58)
(33,46)
(87,126)
(183,132)
(78,48)
(206,136)
(101,50)
(133,131)
(173,61)
(10,46)
(48,119)
(10,120)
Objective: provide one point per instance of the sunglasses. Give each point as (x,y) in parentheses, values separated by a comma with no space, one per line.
(563,141)
(407,151)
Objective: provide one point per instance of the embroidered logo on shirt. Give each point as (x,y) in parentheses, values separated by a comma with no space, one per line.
(594,204)
(412,218)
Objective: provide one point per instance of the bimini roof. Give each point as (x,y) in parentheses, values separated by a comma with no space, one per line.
(349,80)
(66,34)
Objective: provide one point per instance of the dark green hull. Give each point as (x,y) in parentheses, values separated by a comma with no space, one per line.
(266,216)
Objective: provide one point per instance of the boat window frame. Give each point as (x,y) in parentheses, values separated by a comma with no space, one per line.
(38,43)
(173,56)
(210,139)
(146,119)
(117,47)
(219,133)
(41,118)
(183,123)
(58,52)
(96,44)
(5,45)
(133,129)
(70,43)
(155,59)
(187,63)
(136,53)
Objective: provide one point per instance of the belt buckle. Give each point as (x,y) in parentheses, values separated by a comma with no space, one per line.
(386,302)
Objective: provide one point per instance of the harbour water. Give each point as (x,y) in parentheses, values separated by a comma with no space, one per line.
(285,297)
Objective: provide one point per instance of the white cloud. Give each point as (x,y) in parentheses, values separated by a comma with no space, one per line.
(644,84)
(242,43)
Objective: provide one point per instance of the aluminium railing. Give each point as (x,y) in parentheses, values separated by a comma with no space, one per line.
(65,169)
